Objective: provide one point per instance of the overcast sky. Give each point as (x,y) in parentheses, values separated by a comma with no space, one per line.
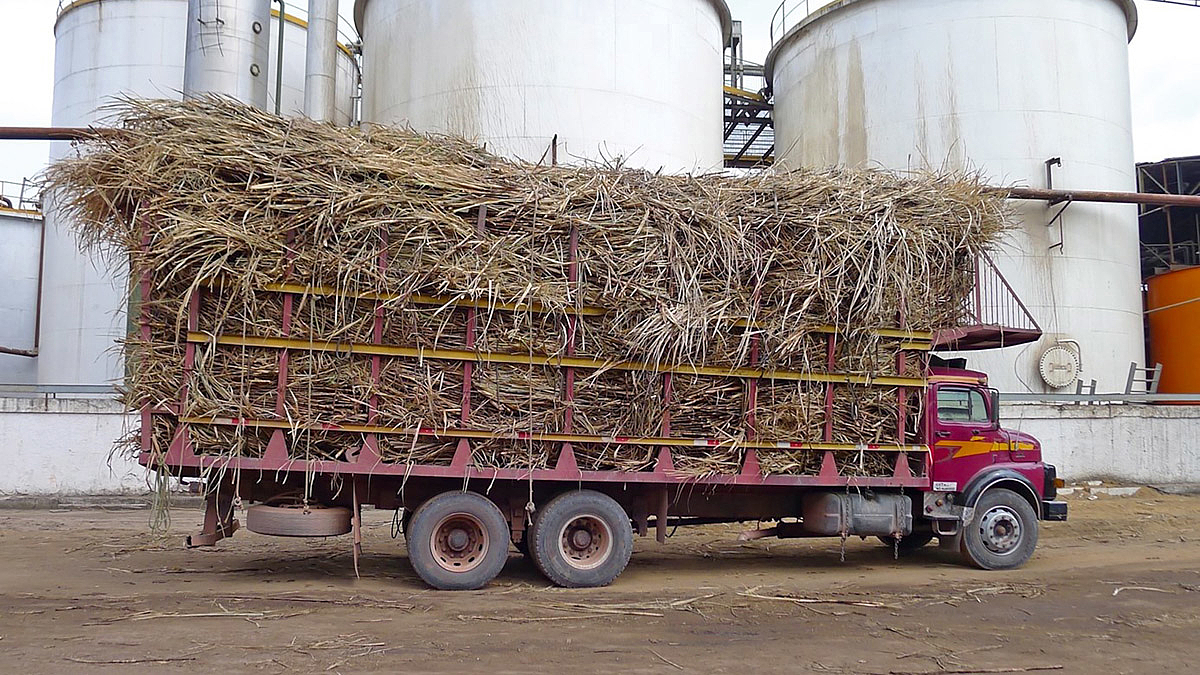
(1165,79)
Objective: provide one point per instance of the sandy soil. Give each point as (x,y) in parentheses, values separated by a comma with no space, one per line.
(1115,590)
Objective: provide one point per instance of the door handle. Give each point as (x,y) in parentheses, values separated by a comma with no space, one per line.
(942,434)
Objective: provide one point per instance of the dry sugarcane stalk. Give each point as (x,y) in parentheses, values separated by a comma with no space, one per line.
(225,192)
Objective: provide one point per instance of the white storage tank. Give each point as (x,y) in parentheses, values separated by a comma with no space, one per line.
(101,49)
(104,48)
(1001,87)
(639,79)
(21,232)
(226,49)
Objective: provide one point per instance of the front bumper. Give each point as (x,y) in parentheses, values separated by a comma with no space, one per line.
(1054,511)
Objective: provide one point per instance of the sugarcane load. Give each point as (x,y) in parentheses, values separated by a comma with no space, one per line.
(550,356)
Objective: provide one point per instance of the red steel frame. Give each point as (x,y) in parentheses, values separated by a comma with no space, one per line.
(368,462)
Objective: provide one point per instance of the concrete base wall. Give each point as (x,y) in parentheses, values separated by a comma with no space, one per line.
(1122,442)
(56,446)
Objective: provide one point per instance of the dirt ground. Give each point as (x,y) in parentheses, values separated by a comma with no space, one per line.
(1114,590)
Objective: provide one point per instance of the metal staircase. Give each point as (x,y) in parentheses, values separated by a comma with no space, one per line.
(749,129)
(996,316)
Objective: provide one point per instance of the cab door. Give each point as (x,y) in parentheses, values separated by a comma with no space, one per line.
(963,435)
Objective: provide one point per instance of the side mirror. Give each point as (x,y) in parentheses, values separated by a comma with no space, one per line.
(995,408)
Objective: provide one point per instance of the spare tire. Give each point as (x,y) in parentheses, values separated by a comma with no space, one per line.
(297,521)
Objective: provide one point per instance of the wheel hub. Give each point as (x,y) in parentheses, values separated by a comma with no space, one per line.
(459,542)
(581,539)
(586,542)
(1000,530)
(458,539)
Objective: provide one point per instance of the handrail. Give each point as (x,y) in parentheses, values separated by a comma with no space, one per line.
(995,301)
(52,390)
(1025,397)
(788,14)
(25,193)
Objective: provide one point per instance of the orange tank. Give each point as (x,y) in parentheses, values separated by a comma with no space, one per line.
(1173,307)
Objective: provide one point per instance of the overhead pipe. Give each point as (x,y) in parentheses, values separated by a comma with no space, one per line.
(320,60)
(1101,196)
(1034,194)
(49,133)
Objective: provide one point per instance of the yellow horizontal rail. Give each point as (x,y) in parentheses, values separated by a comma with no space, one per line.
(444,301)
(548,437)
(367,349)
(441,301)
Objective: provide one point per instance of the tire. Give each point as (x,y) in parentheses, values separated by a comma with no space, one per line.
(295,521)
(457,541)
(581,539)
(1002,534)
(908,543)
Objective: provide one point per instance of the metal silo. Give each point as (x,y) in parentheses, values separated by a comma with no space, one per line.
(104,48)
(635,78)
(1173,309)
(226,49)
(101,49)
(1026,91)
(22,231)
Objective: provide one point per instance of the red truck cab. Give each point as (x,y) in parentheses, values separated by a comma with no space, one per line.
(988,485)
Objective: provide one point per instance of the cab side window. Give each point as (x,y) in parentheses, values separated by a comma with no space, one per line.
(959,404)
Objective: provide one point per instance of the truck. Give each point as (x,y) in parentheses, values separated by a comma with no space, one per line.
(955,473)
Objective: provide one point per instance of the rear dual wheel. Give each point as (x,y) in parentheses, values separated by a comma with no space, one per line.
(580,539)
(457,541)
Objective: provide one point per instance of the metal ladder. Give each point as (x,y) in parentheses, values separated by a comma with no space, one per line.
(1147,377)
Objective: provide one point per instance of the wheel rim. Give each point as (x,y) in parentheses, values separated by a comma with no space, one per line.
(459,542)
(585,542)
(1000,530)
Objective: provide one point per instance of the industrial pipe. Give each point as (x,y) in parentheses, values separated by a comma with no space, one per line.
(1042,194)
(279,59)
(320,60)
(1035,194)
(48,133)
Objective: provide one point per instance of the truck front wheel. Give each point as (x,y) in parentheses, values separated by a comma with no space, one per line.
(581,539)
(1002,533)
(457,541)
